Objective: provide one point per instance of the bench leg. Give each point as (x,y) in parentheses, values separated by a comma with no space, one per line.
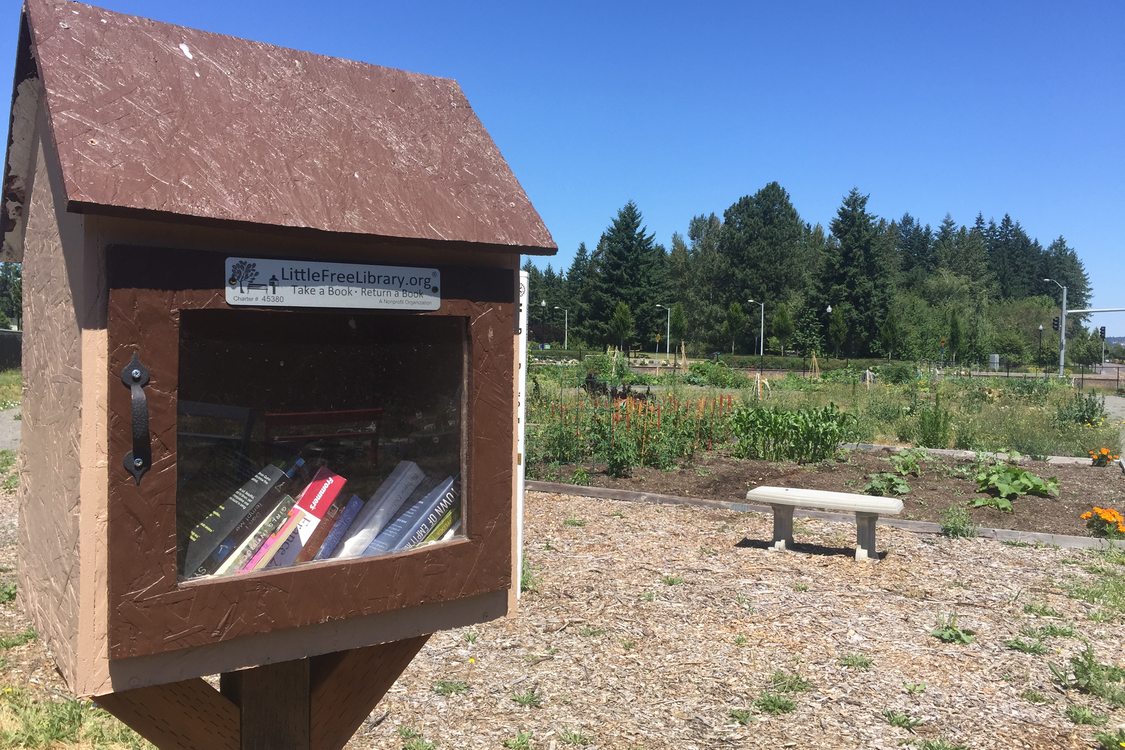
(782,527)
(865,536)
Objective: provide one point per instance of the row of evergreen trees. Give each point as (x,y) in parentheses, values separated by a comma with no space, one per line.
(866,287)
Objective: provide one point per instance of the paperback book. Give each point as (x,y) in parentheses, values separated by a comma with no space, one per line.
(244,551)
(392,494)
(415,521)
(302,520)
(336,535)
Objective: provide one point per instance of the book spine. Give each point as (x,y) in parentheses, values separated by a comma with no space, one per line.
(408,521)
(316,540)
(313,503)
(250,545)
(214,529)
(445,524)
(391,496)
(449,498)
(336,535)
(453,531)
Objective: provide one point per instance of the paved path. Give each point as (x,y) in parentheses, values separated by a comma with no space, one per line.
(10,429)
(1115,406)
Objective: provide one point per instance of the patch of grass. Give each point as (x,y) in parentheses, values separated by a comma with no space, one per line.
(914,688)
(529,580)
(451,687)
(1033,696)
(522,741)
(11,641)
(648,596)
(788,682)
(856,661)
(470,636)
(800,587)
(11,388)
(27,721)
(1050,630)
(1039,609)
(1114,740)
(528,698)
(574,737)
(1087,675)
(774,703)
(7,593)
(740,640)
(1030,646)
(1107,591)
(1083,715)
(9,477)
(938,744)
(956,523)
(628,644)
(741,715)
(947,631)
(672,580)
(901,719)
(589,631)
(576,522)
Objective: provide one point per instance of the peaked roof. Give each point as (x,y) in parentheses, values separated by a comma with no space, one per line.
(154,119)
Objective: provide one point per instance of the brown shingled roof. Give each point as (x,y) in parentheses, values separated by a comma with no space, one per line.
(155,119)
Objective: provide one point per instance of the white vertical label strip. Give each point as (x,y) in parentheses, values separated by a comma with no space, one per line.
(521,418)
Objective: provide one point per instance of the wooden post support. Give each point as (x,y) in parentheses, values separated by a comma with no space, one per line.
(306,704)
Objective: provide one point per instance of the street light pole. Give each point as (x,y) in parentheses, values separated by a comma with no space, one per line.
(761,337)
(1041,346)
(566,327)
(667,333)
(1062,327)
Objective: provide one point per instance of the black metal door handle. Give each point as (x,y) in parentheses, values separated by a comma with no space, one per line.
(135,378)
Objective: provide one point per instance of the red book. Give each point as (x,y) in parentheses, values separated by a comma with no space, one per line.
(283,546)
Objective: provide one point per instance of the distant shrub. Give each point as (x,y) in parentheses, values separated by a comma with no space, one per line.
(716,375)
(897,373)
(800,435)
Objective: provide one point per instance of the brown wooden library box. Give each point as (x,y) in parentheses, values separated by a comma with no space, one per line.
(238,258)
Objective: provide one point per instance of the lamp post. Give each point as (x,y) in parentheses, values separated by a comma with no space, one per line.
(1040,343)
(1062,326)
(761,337)
(667,333)
(566,327)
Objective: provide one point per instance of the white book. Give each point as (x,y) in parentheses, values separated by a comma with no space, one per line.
(381,508)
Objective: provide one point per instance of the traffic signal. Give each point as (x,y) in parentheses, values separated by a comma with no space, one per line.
(1101,332)
(1055,323)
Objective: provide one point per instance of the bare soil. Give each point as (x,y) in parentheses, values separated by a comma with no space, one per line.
(944,482)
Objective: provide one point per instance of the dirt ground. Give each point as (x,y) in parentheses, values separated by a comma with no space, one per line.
(944,482)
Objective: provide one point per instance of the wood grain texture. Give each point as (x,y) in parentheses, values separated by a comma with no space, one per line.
(184,715)
(274,703)
(150,613)
(156,119)
(346,687)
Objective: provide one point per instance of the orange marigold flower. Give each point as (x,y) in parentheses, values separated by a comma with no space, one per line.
(1105,451)
(1086,516)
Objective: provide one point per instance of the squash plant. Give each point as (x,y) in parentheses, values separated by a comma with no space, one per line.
(1006,482)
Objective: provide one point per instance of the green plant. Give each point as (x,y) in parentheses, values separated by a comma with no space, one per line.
(574,737)
(1114,740)
(12,641)
(580,477)
(914,688)
(947,631)
(1086,674)
(575,522)
(1026,646)
(1102,457)
(900,719)
(1006,482)
(628,644)
(529,581)
(529,698)
(29,721)
(934,425)
(1088,410)
(740,640)
(589,631)
(1033,696)
(451,687)
(1084,715)
(1051,630)
(938,744)
(7,592)
(885,484)
(856,661)
(470,636)
(522,741)
(741,715)
(801,435)
(1107,523)
(1107,590)
(800,586)
(788,682)
(648,596)
(956,523)
(774,703)
(672,580)
(1040,609)
(908,462)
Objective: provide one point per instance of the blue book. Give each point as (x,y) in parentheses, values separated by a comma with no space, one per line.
(332,541)
(414,522)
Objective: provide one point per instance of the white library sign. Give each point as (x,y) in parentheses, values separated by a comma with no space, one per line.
(303,283)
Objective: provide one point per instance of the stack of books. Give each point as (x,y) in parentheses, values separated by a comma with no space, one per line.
(261,526)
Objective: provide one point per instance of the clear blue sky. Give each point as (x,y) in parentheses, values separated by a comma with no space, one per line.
(955,107)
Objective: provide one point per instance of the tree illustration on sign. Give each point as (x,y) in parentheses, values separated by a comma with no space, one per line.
(242,273)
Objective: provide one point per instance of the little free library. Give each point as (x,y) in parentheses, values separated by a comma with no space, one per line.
(271,365)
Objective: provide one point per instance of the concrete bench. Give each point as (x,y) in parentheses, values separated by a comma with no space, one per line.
(867,510)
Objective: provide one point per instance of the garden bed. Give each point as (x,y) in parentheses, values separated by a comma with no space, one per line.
(718,476)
